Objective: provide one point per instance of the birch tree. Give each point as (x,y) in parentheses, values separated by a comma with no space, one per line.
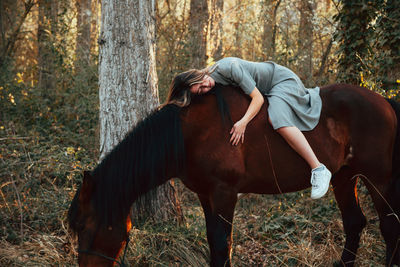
(128,86)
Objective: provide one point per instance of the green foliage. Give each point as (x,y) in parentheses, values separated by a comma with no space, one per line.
(353,35)
(369,45)
(46,140)
(387,43)
(44,146)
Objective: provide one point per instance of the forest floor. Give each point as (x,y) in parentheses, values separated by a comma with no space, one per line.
(40,170)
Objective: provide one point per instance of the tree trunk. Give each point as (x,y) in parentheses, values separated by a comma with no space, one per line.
(324,60)
(198,22)
(305,41)
(46,54)
(84,14)
(10,26)
(128,87)
(270,28)
(388,45)
(216,29)
(353,35)
(238,49)
(94,26)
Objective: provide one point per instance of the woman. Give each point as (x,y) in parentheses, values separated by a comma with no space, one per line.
(292,108)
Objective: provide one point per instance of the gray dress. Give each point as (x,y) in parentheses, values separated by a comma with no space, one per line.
(290,103)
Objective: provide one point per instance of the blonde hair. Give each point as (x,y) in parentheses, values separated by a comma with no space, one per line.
(179,90)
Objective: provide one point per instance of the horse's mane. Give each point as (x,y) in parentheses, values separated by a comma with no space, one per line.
(150,152)
(222,105)
(144,159)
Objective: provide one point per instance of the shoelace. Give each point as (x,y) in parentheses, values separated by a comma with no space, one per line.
(314,178)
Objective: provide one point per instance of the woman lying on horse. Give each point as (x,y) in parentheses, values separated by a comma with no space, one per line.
(292,107)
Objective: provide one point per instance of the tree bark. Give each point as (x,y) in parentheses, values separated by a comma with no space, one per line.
(305,40)
(216,29)
(270,28)
(353,36)
(198,23)
(46,54)
(84,14)
(94,26)
(10,26)
(324,60)
(238,49)
(128,87)
(388,45)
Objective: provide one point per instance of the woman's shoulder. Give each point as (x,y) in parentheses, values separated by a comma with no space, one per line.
(226,64)
(228,60)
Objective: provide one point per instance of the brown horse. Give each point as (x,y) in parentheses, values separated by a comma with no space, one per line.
(355,138)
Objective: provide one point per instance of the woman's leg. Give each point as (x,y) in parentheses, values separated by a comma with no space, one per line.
(299,143)
(320,175)
(282,114)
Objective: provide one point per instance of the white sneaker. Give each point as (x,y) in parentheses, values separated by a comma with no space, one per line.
(320,178)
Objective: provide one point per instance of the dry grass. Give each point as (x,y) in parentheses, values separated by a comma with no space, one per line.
(39,177)
(297,231)
(268,231)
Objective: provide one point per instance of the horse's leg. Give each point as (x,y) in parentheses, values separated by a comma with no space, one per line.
(395,193)
(218,210)
(391,225)
(353,218)
(386,204)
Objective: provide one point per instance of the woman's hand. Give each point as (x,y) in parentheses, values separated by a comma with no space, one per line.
(237,132)
(239,128)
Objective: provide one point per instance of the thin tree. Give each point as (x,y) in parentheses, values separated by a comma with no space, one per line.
(94,25)
(216,28)
(47,28)
(305,40)
(128,87)
(353,36)
(388,45)
(238,29)
(84,14)
(270,11)
(198,27)
(10,26)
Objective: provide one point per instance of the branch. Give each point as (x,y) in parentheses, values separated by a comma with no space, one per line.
(324,58)
(16,138)
(13,38)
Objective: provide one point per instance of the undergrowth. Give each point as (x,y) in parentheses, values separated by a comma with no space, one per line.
(44,146)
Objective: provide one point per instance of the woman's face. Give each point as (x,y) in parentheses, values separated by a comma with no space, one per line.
(203,87)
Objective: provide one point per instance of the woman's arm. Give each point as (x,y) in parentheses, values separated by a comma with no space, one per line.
(238,129)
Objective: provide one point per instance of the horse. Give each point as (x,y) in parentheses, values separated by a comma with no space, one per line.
(357,137)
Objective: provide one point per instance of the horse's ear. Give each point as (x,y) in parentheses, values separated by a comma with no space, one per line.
(87,187)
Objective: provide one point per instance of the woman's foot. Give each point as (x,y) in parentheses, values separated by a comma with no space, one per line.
(320,178)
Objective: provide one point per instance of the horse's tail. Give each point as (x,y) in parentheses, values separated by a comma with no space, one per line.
(396,151)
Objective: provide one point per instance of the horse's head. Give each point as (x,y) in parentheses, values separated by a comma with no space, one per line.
(99,244)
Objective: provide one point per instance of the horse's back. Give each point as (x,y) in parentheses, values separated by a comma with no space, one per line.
(356,126)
